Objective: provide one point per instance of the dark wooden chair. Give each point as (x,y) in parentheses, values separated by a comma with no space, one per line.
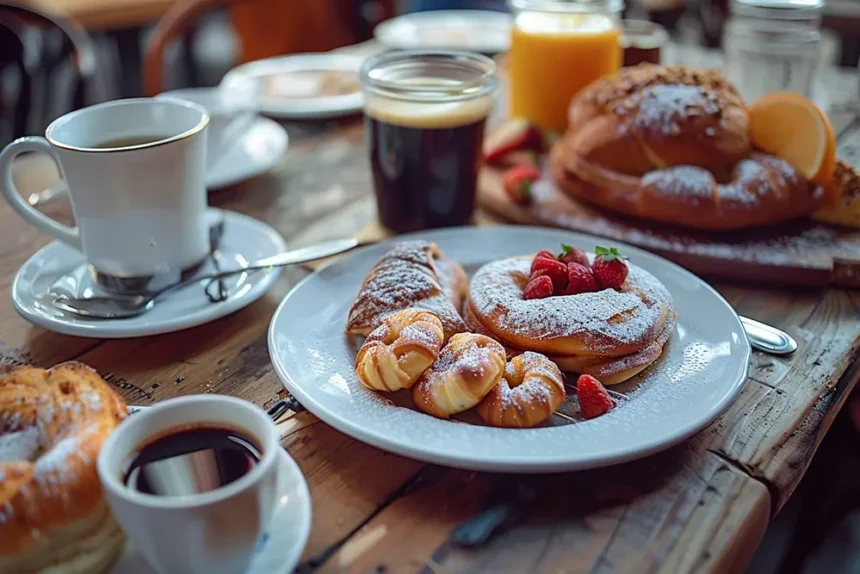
(264,27)
(55,61)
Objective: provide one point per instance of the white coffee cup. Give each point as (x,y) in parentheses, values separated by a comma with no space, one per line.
(214,532)
(140,209)
(231,115)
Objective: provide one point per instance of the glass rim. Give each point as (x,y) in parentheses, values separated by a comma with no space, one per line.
(484,83)
(564,7)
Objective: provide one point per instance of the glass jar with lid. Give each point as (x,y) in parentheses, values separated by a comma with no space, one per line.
(557,48)
(773,45)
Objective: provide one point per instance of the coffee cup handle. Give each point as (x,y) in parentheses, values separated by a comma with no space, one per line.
(68,235)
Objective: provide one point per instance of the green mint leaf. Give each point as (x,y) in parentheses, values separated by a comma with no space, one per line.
(601,250)
(565,248)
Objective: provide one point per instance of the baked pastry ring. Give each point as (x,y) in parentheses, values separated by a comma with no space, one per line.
(411,274)
(468,367)
(397,352)
(53,515)
(530,391)
(671,144)
(607,323)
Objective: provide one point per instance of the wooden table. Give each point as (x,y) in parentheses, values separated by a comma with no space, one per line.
(702,506)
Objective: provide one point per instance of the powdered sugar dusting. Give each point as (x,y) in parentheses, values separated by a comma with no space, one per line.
(403,278)
(604,319)
(420,336)
(662,108)
(20,445)
(92,400)
(52,469)
(472,359)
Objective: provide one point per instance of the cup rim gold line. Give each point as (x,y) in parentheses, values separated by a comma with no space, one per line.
(204,121)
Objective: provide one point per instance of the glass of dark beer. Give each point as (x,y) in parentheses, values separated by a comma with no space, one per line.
(424,117)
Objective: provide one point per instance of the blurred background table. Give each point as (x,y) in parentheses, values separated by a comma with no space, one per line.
(700,507)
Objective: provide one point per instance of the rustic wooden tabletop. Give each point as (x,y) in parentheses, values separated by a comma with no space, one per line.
(702,506)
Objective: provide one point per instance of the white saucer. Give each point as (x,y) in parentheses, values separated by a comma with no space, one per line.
(283,542)
(256,152)
(482,31)
(256,74)
(702,369)
(57,268)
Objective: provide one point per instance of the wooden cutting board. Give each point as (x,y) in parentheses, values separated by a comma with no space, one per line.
(802,253)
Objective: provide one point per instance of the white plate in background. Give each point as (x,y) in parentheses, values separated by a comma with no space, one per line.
(285,85)
(482,31)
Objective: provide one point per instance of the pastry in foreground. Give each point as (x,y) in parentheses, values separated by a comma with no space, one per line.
(468,368)
(671,144)
(412,274)
(397,352)
(53,514)
(531,389)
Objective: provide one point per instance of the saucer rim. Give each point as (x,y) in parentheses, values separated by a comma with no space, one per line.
(280,146)
(22,298)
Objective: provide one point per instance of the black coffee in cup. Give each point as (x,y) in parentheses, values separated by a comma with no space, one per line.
(424,117)
(191,460)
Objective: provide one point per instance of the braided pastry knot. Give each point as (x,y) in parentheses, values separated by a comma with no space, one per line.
(396,353)
(468,367)
(531,390)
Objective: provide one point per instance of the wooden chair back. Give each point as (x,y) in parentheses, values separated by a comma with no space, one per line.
(41,44)
(265,28)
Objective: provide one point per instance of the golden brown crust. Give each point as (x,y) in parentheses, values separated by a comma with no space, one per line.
(52,426)
(671,144)
(397,352)
(468,367)
(411,274)
(843,198)
(530,391)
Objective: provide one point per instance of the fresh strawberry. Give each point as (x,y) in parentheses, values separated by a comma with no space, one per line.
(538,288)
(593,398)
(579,279)
(518,182)
(571,254)
(609,267)
(555,270)
(545,254)
(515,135)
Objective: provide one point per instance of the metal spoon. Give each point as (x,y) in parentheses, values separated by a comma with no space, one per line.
(768,339)
(124,307)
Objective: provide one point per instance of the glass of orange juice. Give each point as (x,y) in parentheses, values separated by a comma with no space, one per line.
(557,48)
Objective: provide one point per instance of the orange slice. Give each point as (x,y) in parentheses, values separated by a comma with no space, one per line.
(790,126)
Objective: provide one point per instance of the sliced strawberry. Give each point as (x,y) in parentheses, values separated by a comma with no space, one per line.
(570,254)
(517,134)
(555,270)
(593,398)
(609,267)
(518,182)
(579,280)
(538,288)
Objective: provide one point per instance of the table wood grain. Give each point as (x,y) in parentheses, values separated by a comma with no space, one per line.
(702,506)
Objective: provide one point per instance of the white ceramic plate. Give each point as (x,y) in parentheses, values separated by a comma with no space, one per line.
(291,72)
(257,151)
(57,268)
(702,369)
(482,31)
(283,542)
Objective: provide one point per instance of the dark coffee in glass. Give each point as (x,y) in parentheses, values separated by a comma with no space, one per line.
(424,117)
